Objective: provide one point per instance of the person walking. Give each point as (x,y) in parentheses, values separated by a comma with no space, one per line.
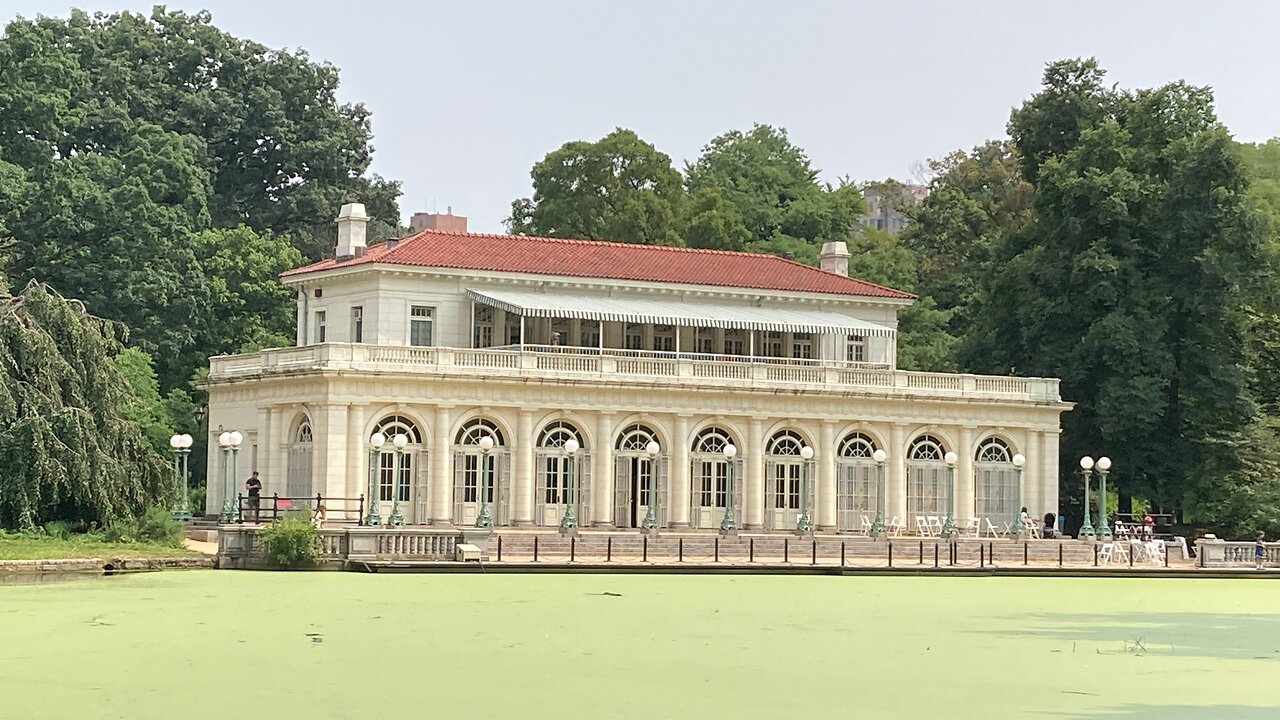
(254,487)
(1259,550)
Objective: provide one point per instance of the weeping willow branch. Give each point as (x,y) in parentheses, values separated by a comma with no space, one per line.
(66,450)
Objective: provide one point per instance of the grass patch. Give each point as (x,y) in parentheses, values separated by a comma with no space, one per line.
(30,546)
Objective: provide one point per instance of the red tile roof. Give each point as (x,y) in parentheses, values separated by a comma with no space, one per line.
(615,261)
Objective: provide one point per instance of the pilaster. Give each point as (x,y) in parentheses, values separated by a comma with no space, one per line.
(895,491)
(522,483)
(753,463)
(678,496)
(965,491)
(602,473)
(826,461)
(440,481)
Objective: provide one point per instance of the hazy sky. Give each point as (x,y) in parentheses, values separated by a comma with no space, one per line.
(466,96)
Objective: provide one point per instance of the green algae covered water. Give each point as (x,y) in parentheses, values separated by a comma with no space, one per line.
(218,644)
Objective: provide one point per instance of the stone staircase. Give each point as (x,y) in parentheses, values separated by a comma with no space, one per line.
(202,529)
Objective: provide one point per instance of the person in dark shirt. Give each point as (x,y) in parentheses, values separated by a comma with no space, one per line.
(254,487)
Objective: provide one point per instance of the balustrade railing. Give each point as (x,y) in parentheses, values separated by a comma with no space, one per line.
(613,363)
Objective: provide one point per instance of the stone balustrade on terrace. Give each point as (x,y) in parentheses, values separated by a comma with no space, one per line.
(640,367)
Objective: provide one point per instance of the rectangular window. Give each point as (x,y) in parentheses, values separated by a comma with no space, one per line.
(735,342)
(704,340)
(470,477)
(857,348)
(387,474)
(513,329)
(420,324)
(773,344)
(589,334)
(722,485)
(707,477)
(634,337)
(320,329)
(664,338)
(552,495)
(802,346)
(357,324)
(483,327)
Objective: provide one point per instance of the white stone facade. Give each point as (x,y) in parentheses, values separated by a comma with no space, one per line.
(307,412)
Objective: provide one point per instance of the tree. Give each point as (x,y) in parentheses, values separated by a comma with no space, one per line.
(68,449)
(1123,283)
(714,223)
(249,308)
(278,149)
(776,192)
(143,405)
(975,200)
(618,188)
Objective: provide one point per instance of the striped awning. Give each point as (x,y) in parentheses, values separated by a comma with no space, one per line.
(674,312)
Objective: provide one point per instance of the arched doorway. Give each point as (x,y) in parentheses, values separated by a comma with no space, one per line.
(995,483)
(857,482)
(926,478)
(298,474)
(481,478)
(563,479)
(710,492)
(639,478)
(409,492)
(784,478)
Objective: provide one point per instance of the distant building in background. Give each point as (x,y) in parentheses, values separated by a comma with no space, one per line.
(884,210)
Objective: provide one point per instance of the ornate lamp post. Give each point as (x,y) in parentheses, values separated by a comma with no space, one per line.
(804,524)
(181,445)
(877,527)
(651,516)
(1102,467)
(398,441)
(483,520)
(568,521)
(230,444)
(727,525)
(949,526)
(374,516)
(1086,464)
(1019,528)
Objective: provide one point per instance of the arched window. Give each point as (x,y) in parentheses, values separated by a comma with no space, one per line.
(786,443)
(477,428)
(926,481)
(784,471)
(390,426)
(557,486)
(711,440)
(995,483)
(303,434)
(298,472)
(857,445)
(993,450)
(558,433)
(857,483)
(710,487)
(927,447)
(393,424)
(636,438)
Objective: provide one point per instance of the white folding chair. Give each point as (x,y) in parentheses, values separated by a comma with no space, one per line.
(995,533)
(895,527)
(922,526)
(1104,555)
(866,525)
(935,525)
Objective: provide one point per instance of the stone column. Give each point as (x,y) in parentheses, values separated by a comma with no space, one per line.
(1046,485)
(278,452)
(895,480)
(329,463)
(825,460)
(357,480)
(965,491)
(265,454)
(753,467)
(602,473)
(440,481)
(522,482)
(678,496)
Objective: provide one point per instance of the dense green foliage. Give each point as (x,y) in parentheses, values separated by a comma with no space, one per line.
(69,448)
(291,542)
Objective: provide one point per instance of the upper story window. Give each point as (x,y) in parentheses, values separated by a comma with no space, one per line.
(421,319)
(735,342)
(320,326)
(357,324)
(483,327)
(634,337)
(704,340)
(802,346)
(773,344)
(589,334)
(664,338)
(857,349)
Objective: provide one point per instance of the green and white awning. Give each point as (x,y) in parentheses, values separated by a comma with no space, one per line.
(674,312)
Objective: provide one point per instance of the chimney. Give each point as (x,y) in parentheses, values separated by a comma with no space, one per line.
(447,222)
(351,226)
(834,258)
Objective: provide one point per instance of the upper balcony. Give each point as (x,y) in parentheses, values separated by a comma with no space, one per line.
(613,366)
